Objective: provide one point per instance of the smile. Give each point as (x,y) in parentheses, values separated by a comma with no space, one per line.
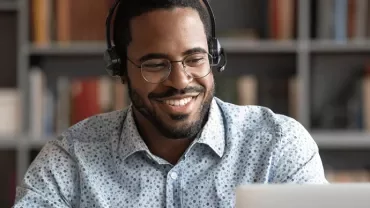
(178,102)
(178,105)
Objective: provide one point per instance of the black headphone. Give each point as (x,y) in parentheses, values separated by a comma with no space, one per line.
(113,62)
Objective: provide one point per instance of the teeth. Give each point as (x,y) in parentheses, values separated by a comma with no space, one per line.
(181,102)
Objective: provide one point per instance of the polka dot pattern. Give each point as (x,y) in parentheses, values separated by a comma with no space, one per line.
(103,162)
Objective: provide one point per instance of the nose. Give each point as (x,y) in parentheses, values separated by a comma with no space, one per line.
(178,78)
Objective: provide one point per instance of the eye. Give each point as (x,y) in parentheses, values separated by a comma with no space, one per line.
(196,60)
(155,65)
(152,65)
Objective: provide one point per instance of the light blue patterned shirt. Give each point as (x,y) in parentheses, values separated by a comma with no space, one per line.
(103,162)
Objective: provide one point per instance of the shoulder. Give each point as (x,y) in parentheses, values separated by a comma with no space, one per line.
(94,130)
(96,127)
(252,116)
(258,121)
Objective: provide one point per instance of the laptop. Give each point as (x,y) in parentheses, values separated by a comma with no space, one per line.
(344,195)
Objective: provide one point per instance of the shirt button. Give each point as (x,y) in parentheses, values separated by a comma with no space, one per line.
(174,175)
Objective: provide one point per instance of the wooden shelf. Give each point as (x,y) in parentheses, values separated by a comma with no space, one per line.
(338,47)
(78,48)
(342,139)
(13,142)
(231,45)
(8,6)
(8,142)
(239,45)
(38,144)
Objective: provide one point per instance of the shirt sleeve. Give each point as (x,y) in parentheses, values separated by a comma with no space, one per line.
(297,156)
(51,179)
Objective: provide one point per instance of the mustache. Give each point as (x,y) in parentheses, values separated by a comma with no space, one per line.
(173,92)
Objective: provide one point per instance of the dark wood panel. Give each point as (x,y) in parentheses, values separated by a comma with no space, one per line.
(7,177)
(8,49)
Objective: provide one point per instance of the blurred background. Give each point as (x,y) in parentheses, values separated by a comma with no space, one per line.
(308,59)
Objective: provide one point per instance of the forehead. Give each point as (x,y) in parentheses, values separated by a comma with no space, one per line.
(169,31)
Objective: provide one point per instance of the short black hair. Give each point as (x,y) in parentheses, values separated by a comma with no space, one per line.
(133,8)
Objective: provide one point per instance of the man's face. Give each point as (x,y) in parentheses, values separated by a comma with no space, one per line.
(178,106)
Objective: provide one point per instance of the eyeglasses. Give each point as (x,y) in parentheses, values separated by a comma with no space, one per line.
(196,65)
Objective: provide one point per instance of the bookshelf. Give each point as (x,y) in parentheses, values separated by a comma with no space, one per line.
(332,47)
(8,143)
(94,48)
(342,140)
(304,56)
(232,45)
(8,6)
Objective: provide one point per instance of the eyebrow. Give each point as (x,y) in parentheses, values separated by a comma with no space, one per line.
(194,50)
(163,55)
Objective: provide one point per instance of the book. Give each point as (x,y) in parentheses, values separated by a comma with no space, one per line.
(325,20)
(362,10)
(366,98)
(247,90)
(10,111)
(340,20)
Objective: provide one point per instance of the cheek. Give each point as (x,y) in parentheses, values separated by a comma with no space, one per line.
(139,85)
(208,83)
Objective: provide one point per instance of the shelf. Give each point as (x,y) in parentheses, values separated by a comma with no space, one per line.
(239,45)
(231,45)
(342,140)
(11,142)
(8,142)
(337,47)
(38,144)
(78,48)
(8,6)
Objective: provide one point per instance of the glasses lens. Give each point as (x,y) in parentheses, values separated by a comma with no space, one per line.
(198,64)
(155,70)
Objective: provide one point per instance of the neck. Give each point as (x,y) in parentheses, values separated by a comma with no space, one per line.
(169,149)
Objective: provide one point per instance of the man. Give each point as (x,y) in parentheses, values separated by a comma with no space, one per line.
(177,145)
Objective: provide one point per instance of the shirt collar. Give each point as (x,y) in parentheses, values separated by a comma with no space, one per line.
(211,135)
(131,140)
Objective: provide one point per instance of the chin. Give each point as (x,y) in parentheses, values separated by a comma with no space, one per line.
(176,122)
(180,126)
(179,117)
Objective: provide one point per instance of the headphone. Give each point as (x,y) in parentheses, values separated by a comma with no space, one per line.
(113,62)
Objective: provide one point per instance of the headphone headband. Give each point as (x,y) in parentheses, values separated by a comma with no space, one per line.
(212,17)
(108,22)
(113,62)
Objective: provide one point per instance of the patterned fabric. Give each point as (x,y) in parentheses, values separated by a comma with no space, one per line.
(103,162)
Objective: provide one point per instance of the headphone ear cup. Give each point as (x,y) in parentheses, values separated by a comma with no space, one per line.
(113,62)
(215,51)
(221,66)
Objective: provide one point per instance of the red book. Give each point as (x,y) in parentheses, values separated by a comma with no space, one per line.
(351,20)
(274,19)
(85,99)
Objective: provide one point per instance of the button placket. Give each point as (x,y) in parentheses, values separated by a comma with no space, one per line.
(174,175)
(173,187)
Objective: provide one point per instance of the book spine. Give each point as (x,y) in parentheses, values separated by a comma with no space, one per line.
(340,20)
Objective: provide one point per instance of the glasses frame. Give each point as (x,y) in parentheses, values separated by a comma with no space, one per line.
(170,67)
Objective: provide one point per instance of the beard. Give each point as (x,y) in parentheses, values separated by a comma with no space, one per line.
(188,130)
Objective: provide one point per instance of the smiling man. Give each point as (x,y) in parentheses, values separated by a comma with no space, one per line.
(171,99)
(177,145)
